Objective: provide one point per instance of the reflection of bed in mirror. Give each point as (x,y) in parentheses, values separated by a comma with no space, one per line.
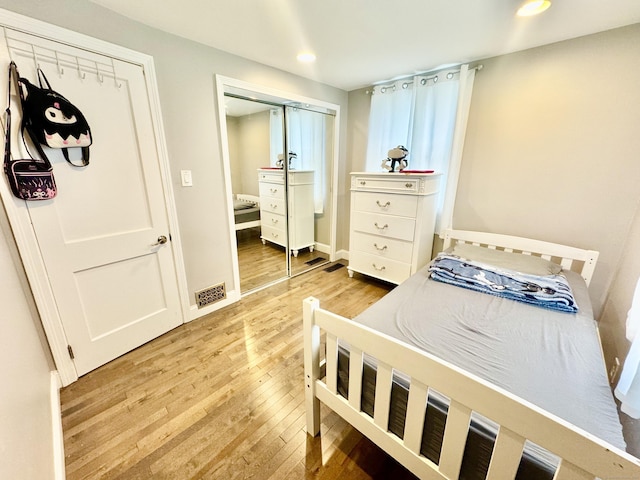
(246,211)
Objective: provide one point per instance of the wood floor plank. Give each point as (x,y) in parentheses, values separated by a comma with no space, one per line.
(221,397)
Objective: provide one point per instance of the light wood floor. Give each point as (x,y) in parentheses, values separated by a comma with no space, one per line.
(222,398)
(260,264)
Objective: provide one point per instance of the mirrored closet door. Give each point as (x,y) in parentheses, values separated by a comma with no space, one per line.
(280,157)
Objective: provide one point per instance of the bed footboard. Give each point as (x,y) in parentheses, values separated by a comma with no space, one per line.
(583,456)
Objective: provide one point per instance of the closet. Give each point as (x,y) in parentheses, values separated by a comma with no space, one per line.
(279,153)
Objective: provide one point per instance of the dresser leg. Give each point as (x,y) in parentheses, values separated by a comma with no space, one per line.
(350,273)
(295,253)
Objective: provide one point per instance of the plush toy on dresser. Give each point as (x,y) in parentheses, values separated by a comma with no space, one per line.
(397,156)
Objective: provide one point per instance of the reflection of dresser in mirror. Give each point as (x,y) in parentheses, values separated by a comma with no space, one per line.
(301,208)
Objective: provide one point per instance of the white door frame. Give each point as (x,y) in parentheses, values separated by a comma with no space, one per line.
(18,213)
(222,84)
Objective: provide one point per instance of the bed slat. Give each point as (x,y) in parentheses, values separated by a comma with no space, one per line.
(568,471)
(332,363)
(311,366)
(355,378)
(506,455)
(416,408)
(384,379)
(454,440)
(566,263)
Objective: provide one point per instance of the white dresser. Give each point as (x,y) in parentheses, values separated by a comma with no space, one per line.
(392,223)
(273,221)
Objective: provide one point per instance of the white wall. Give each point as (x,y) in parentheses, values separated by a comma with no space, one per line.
(552,151)
(26,424)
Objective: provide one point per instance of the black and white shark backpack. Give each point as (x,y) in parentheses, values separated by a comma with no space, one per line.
(52,120)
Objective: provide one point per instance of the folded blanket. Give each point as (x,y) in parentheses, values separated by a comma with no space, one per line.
(548,291)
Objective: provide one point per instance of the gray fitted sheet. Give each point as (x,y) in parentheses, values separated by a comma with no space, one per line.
(551,359)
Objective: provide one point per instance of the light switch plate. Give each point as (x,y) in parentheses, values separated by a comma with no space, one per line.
(187,180)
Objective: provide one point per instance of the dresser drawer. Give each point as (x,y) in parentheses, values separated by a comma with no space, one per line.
(273,220)
(375,202)
(271,190)
(381,246)
(271,176)
(274,205)
(401,183)
(375,266)
(401,228)
(274,235)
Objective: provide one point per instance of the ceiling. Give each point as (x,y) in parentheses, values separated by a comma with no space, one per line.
(360,42)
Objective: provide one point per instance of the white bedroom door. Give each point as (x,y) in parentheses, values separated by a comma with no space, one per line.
(105,239)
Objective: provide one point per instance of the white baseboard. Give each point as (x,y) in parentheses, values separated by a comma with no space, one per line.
(342,254)
(195,312)
(56,426)
(322,247)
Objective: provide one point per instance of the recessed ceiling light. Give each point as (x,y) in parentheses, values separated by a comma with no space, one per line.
(533,7)
(306,57)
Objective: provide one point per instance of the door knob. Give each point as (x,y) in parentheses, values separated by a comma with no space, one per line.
(161,241)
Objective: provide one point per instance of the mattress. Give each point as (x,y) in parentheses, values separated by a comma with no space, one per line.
(551,359)
(245,212)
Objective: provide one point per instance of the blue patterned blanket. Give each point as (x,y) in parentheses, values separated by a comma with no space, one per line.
(548,291)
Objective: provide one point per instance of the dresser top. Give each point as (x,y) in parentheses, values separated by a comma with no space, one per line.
(398,174)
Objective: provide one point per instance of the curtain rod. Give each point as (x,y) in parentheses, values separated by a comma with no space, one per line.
(392,83)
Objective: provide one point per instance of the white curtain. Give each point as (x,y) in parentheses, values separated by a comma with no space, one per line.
(307,135)
(628,388)
(427,115)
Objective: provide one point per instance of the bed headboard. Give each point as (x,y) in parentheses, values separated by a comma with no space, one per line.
(243,197)
(571,258)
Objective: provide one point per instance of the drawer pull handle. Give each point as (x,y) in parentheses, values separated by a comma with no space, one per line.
(380,249)
(408,185)
(273,190)
(381,205)
(380,269)
(274,220)
(379,227)
(274,206)
(274,235)
(363,183)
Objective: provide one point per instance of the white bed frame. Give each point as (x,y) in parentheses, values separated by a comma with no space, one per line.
(248,199)
(583,456)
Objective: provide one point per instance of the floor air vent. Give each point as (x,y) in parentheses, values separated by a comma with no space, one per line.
(210,295)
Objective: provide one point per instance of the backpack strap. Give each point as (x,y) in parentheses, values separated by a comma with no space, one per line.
(7,137)
(42,77)
(85,157)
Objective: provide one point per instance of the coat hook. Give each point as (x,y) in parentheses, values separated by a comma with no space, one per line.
(35,57)
(115,77)
(60,69)
(81,74)
(100,75)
